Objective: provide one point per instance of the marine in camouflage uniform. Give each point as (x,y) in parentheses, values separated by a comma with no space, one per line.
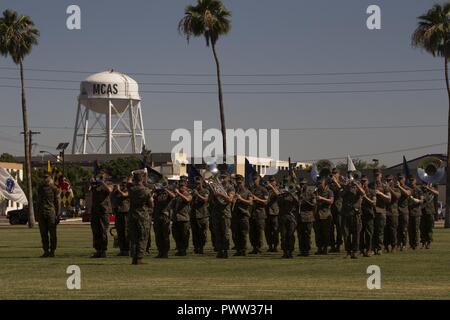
(181,217)
(390,231)
(272,230)
(258,214)
(368,215)
(139,219)
(161,220)
(101,209)
(322,224)
(305,219)
(48,214)
(428,213)
(403,212)
(337,186)
(241,214)
(415,212)
(288,202)
(351,217)
(199,215)
(221,216)
(121,206)
(383,200)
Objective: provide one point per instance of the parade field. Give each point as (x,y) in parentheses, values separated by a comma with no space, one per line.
(420,274)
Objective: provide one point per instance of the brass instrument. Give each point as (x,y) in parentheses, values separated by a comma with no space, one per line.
(212,181)
(321,169)
(430,170)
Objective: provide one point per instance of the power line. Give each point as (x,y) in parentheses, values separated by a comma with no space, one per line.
(237,74)
(383,153)
(281,129)
(250,92)
(245,84)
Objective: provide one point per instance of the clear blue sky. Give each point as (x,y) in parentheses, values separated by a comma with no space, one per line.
(286,36)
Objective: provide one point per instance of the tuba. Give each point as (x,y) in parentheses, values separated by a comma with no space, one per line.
(430,170)
(321,169)
(212,181)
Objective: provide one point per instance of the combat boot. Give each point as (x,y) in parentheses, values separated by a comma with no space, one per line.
(51,254)
(45,254)
(353,256)
(134,260)
(102,254)
(96,255)
(200,251)
(225,254)
(140,261)
(219,254)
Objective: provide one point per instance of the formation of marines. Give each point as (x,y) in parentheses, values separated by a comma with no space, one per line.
(364,218)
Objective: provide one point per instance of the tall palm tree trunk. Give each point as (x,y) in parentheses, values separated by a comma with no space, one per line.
(222,114)
(26,137)
(447,187)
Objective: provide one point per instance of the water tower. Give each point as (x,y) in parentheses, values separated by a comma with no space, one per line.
(109,115)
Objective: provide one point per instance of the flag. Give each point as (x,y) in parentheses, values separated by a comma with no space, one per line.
(350,166)
(406,170)
(49,167)
(314,173)
(10,189)
(192,174)
(249,172)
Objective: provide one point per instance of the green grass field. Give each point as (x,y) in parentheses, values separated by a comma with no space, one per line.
(421,274)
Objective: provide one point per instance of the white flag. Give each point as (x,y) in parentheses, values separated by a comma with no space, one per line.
(10,189)
(350,165)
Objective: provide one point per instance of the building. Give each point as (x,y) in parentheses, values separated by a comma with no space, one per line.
(16,171)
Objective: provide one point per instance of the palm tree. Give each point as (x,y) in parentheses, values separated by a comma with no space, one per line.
(18,35)
(209,18)
(433,35)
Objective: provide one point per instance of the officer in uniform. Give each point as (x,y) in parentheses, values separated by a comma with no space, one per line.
(139,218)
(416,201)
(180,219)
(258,214)
(369,201)
(305,219)
(383,199)
(272,212)
(428,212)
(161,220)
(221,216)
(49,203)
(337,186)
(101,209)
(242,204)
(322,224)
(351,217)
(199,215)
(390,231)
(403,212)
(121,206)
(288,202)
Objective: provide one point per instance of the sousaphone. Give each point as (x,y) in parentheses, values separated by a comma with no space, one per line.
(430,170)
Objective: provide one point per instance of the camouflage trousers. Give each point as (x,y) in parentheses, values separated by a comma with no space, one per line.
(414,231)
(99,227)
(351,229)
(366,236)
(390,231)
(379,223)
(304,230)
(272,231)
(199,229)
(288,225)
(402,229)
(242,227)
(181,234)
(256,232)
(426,228)
(138,230)
(47,228)
(121,224)
(161,225)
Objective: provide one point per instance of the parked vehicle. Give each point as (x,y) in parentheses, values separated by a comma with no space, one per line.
(18,216)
